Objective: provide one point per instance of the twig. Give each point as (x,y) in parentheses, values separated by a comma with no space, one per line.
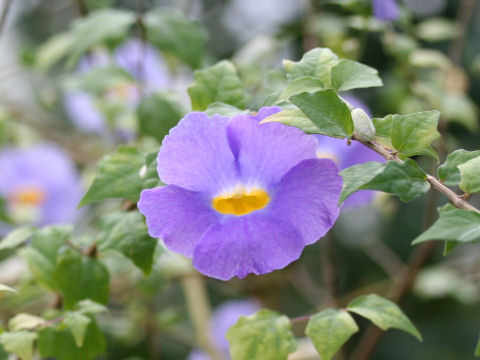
(329,270)
(81,7)
(464,16)
(4,13)
(199,310)
(457,200)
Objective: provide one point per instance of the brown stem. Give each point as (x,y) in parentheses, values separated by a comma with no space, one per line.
(457,200)
(81,7)
(464,16)
(329,270)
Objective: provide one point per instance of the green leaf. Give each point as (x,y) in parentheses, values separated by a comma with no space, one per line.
(81,277)
(383,130)
(329,330)
(90,307)
(316,63)
(119,176)
(19,343)
(293,117)
(60,344)
(223,109)
(77,323)
(448,172)
(357,176)
(41,257)
(127,233)
(349,74)
(449,246)
(157,115)
(453,224)
(16,237)
(407,180)
(7,289)
(327,111)
(101,79)
(24,321)
(459,108)
(41,267)
(265,335)
(173,32)
(298,85)
(436,29)
(383,313)
(99,27)
(57,47)
(414,132)
(470,176)
(50,239)
(218,83)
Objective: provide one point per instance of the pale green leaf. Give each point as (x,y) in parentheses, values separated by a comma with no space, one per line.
(223,109)
(127,233)
(57,47)
(329,330)
(19,343)
(414,132)
(90,307)
(265,335)
(16,237)
(298,85)
(470,176)
(218,83)
(459,108)
(77,323)
(99,27)
(436,29)
(383,313)
(24,321)
(293,117)
(7,289)
(354,177)
(453,224)
(349,74)
(448,172)
(174,33)
(316,63)
(327,111)
(41,267)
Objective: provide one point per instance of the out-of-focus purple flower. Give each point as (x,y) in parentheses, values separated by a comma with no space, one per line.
(346,156)
(139,59)
(387,10)
(40,185)
(241,197)
(224,317)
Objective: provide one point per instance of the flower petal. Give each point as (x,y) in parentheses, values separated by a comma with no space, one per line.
(264,153)
(177,216)
(196,155)
(241,245)
(308,198)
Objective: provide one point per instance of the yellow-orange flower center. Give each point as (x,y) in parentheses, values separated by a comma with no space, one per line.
(328,155)
(29,195)
(241,202)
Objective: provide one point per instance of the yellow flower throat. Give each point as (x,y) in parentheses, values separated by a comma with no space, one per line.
(241,202)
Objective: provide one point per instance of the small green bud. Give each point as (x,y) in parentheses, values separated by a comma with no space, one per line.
(363,125)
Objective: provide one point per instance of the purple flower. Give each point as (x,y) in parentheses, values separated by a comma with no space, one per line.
(40,185)
(224,317)
(346,156)
(387,10)
(241,197)
(137,58)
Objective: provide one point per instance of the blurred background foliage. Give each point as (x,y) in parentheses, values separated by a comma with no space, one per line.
(66,78)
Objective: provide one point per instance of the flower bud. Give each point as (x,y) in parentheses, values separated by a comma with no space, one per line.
(363,125)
